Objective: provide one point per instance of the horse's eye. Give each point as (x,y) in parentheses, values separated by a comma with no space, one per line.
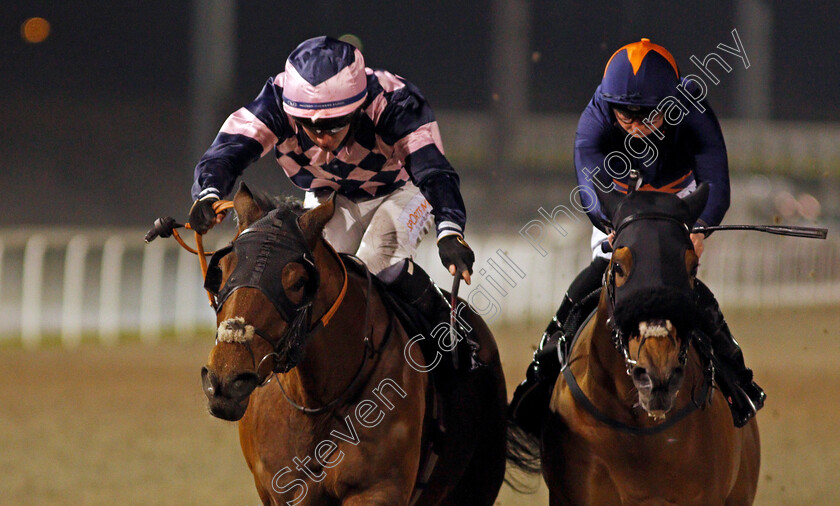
(299,284)
(618,270)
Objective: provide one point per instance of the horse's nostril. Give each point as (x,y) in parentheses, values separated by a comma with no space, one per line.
(641,377)
(676,377)
(207,381)
(243,384)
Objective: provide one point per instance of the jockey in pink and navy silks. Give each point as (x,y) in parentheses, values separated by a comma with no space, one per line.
(363,137)
(644,118)
(394,138)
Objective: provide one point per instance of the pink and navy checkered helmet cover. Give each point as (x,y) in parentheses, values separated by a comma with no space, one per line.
(325,78)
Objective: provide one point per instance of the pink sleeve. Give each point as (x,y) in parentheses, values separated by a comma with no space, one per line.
(243,122)
(421,137)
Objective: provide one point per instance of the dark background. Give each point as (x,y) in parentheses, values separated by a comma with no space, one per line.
(96,117)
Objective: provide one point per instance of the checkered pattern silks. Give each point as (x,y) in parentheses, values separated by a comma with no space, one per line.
(394,140)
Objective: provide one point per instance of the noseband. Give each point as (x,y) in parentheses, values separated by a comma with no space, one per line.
(620,340)
(264,274)
(263,251)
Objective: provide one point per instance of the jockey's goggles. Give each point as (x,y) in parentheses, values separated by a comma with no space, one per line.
(323,126)
(631,113)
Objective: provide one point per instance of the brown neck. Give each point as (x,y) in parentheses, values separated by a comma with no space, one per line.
(605,372)
(606,381)
(335,352)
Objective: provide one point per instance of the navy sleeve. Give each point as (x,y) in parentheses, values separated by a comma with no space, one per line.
(246,135)
(591,147)
(711,164)
(405,111)
(440,184)
(407,123)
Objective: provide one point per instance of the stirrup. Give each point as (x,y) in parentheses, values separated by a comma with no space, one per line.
(745,398)
(745,407)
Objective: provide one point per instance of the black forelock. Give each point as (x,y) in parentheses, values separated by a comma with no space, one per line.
(283,206)
(287,203)
(268,202)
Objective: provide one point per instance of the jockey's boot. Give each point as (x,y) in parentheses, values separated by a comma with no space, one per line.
(735,380)
(530,400)
(532,395)
(414,287)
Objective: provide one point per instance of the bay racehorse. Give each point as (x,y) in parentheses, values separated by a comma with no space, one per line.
(634,418)
(314,365)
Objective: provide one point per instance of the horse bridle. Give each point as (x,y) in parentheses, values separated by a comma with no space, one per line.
(621,341)
(580,396)
(369,352)
(302,312)
(622,344)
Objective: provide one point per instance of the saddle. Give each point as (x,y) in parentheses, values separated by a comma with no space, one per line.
(464,358)
(577,317)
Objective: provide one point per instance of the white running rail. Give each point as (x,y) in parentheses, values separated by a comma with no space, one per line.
(108,285)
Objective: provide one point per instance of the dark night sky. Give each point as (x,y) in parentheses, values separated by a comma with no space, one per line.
(142,47)
(99,109)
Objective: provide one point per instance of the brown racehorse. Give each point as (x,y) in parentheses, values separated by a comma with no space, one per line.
(631,417)
(348,421)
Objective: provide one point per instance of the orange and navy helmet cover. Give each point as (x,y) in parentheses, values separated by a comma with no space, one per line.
(640,74)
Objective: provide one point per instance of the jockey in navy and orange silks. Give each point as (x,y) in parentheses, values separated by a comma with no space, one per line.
(645,119)
(675,146)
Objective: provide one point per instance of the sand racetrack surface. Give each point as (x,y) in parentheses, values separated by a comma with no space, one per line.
(128,425)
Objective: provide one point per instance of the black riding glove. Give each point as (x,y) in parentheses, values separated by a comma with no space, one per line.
(455,251)
(202,215)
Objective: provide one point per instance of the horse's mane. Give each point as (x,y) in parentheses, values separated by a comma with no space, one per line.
(285,203)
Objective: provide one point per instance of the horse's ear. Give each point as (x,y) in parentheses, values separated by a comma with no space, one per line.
(247,209)
(696,201)
(313,221)
(263,200)
(609,202)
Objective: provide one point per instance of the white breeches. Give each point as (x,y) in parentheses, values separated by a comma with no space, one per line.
(383,231)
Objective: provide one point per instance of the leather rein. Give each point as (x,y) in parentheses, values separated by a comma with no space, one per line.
(622,344)
(166,227)
(369,352)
